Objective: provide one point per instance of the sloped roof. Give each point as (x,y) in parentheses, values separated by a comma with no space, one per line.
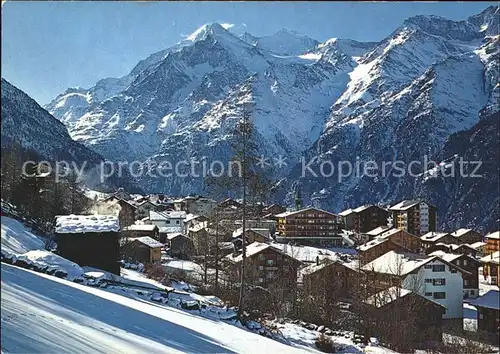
(460,232)
(148,241)
(253,249)
(387,296)
(377,231)
(494,235)
(433,236)
(370,244)
(140,227)
(288,213)
(346,212)
(491,258)
(489,300)
(86,223)
(175,235)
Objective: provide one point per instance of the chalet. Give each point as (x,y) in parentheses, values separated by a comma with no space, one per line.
(334,278)
(451,248)
(488,311)
(309,226)
(142,209)
(492,242)
(398,303)
(364,218)
(273,209)
(432,238)
(431,277)
(230,203)
(266,264)
(139,230)
(89,240)
(252,235)
(470,264)
(491,268)
(142,249)
(114,205)
(193,219)
(167,219)
(415,216)
(370,235)
(466,236)
(180,245)
(390,240)
(479,247)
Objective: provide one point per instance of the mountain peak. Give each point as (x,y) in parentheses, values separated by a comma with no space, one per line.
(201,33)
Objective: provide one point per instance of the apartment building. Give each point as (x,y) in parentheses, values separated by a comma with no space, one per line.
(492,242)
(416,217)
(309,226)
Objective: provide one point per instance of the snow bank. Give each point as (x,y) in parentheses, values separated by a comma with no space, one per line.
(86,223)
(16,238)
(53,262)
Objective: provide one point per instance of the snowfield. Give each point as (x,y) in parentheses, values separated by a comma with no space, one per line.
(70,317)
(16,238)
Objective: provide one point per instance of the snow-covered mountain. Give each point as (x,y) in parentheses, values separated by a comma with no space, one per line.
(34,129)
(398,99)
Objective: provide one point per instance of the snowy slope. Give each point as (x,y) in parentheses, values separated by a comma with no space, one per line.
(16,238)
(90,320)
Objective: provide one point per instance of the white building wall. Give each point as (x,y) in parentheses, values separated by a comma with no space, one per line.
(453,288)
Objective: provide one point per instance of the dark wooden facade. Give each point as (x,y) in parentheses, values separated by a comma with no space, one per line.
(94,249)
(369,218)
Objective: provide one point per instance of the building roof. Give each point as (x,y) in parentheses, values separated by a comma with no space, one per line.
(362,208)
(173,235)
(288,213)
(433,236)
(491,258)
(261,231)
(477,245)
(399,264)
(166,215)
(407,204)
(494,235)
(454,247)
(148,241)
(253,249)
(346,212)
(170,229)
(460,232)
(140,227)
(86,223)
(489,300)
(370,244)
(377,231)
(387,296)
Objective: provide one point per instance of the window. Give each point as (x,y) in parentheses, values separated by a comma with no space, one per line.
(465,262)
(427,266)
(466,282)
(438,282)
(261,280)
(428,280)
(167,221)
(261,257)
(453,270)
(428,294)
(438,268)
(176,221)
(439,295)
(270,262)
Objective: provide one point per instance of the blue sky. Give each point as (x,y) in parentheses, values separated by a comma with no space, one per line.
(50,46)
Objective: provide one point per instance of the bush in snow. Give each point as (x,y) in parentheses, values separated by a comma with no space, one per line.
(325,344)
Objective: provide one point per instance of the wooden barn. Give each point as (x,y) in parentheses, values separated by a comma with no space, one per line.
(89,240)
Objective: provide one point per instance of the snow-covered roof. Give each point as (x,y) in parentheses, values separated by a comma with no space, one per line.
(170,229)
(190,217)
(375,242)
(140,227)
(377,231)
(346,212)
(491,258)
(166,215)
(86,223)
(489,300)
(251,250)
(387,296)
(433,236)
(175,235)
(397,263)
(148,241)
(449,257)
(454,246)
(361,208)
(460,232)
(313,268)
(261,231)
(477,245)
(404,205)
(288,213)
(494,235)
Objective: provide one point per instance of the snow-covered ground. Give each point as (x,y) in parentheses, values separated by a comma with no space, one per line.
(17,238)
(70,317)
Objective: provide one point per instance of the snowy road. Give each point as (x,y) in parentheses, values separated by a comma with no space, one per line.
(43,314)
